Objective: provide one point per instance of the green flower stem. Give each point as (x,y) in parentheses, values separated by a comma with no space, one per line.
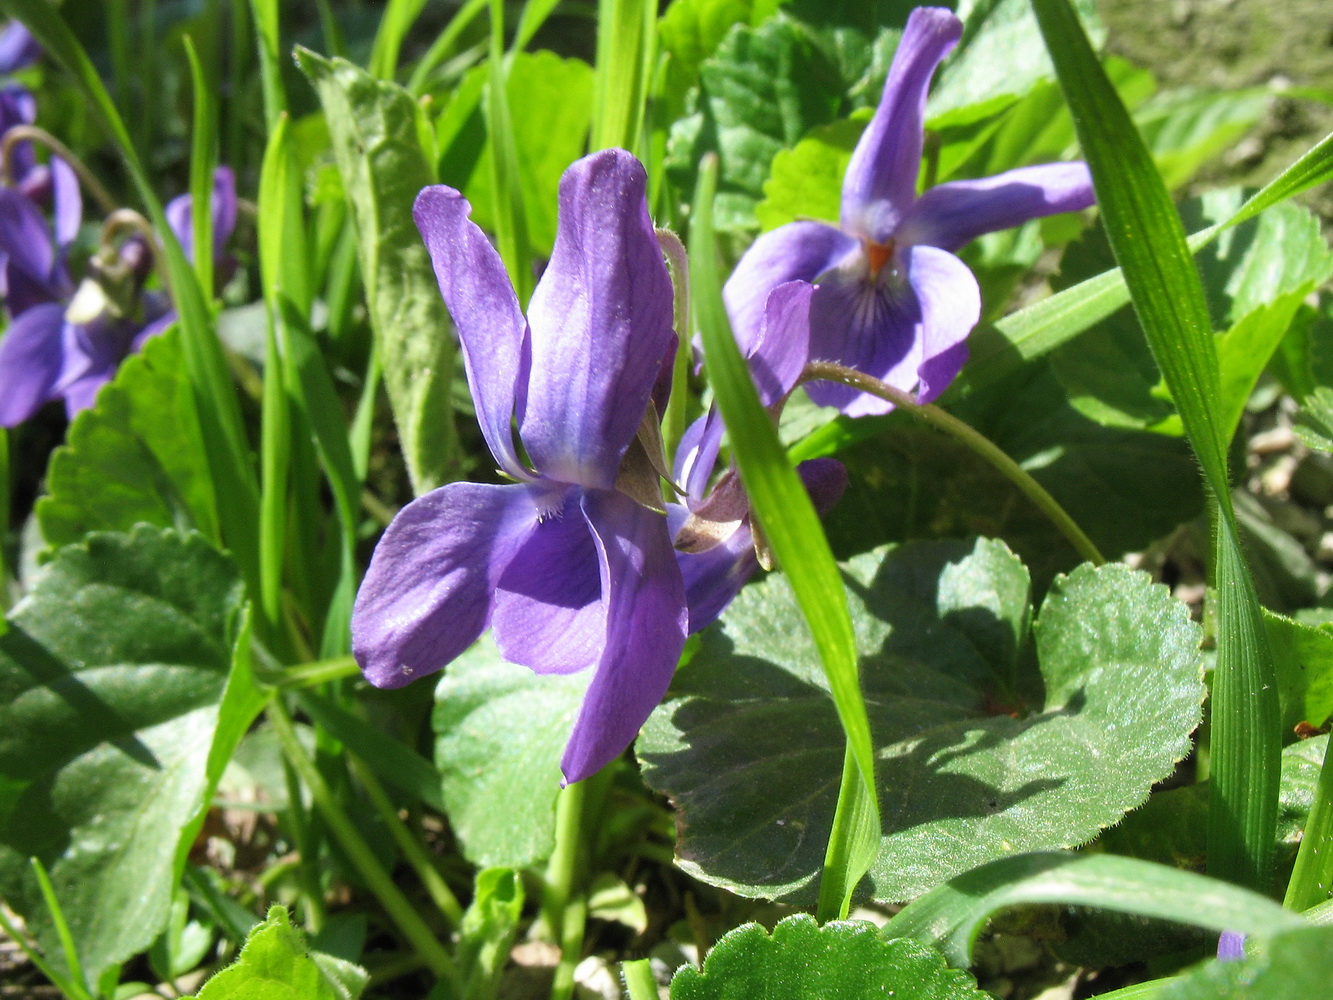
(977,442)
(416,855)
(563,909)
(571,947)
(639,979)
(306,675)
(306,875)
(1312,878)
(31,133)
(399,908)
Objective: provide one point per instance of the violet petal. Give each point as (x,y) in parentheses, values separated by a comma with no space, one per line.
(783,346)
(798,251)
(952,214)
(32,361)
(485,309)
(18,48)
(880,184)
(601,324)
(646,622)
(950,301)
(427,594)
(1231,946)
(30,257)
(67,202)
(548,602)
(696,453)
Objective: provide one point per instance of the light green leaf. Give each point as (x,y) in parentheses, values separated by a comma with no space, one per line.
(374,128)
(1187,128)
(500,730)
(277,964)
(488,928)
(843,960)
(135,457)
(806,180)
(549,101)
(1314,423)
(111,673)
(1001,52)
(761,91)
(980,753)
(692,29)
(1303,655)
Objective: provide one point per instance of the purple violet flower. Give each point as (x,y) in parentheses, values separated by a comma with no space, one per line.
(570,573)
(51,350)
(891,299)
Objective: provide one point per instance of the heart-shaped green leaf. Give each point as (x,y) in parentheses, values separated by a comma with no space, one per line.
(111,675)
(982,752)
(843,960)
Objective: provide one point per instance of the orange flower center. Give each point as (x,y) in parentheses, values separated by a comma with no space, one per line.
(878,255)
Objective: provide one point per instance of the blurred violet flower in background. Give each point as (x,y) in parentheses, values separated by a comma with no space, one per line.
(569,571)
(66,343)
(17,48)
(1231,946)
(891,300)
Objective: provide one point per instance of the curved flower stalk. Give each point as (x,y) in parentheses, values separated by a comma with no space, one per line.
(65,342)
(891,299)
(570,572)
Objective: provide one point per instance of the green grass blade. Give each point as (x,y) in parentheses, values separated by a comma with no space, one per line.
(952,915)
(203,158)
(444,46)
(268,32)
(625,28)
(1149,244)
(236,489)
(1045,325)
(788,520)
(511,221)
(1312,878)
(399,16)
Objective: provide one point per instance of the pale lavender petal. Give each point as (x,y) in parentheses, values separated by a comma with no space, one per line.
(548,602)
(908,329)
(485,309)
(1231,946)
(715,576)
(880,183)
(950,215)
(30,258)
(32,362)
(17,48)
(950,305)
(81,394)
(798,251)
(696,454)
(600,324)
(67,202)
(783,347)
(428,592)
(158,324)
(646,623)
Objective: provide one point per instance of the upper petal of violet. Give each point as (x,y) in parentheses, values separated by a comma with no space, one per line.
(428,592)
(953,214)
(880,184)
(485,309)
(600,322)
(646,622)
